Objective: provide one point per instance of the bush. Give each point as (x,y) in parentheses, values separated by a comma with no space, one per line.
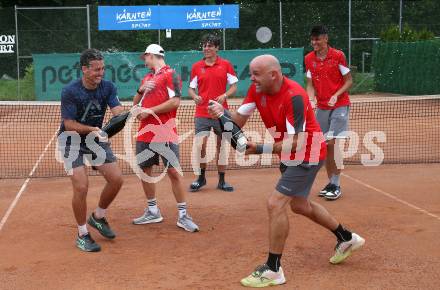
(425,34)
(8,88)
(408,35)
(29,74)
(392,34)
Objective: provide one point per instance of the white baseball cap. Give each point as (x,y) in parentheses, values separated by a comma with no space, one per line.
(154,49)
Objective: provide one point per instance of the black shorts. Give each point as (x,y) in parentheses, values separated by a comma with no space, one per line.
(85,153)
(297,180)
(206,124)
(147,154)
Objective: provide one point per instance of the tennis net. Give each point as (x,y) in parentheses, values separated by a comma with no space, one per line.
(402,129)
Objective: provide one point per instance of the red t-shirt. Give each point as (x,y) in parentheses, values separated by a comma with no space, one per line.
(211,81)
(288,112)
(328,76)
(162,127)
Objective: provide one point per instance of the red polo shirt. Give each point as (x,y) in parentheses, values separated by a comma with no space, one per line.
(210,82)
(288,112)
(162,127)
(328,76)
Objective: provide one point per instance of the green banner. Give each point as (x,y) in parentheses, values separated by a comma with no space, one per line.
(126,70)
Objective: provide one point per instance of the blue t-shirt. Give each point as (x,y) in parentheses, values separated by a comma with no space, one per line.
(87,106)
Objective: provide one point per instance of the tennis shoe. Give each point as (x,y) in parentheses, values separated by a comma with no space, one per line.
(263,276)
(343,250)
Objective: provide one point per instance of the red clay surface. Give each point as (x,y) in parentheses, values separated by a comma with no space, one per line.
(401,252)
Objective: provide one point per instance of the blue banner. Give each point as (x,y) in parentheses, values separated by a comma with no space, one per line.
(128,17)
(199,17)
(168,17)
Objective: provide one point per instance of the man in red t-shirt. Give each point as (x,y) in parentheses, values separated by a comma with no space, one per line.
(209,79)
(328,80)
(284,106)
(160,93)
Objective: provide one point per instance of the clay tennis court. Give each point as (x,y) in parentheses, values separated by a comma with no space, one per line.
(394,206)
(401,251)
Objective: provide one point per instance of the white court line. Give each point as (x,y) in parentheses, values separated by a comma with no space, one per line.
(424,211)
(23,187)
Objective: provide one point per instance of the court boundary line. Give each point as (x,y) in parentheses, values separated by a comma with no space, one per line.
(391,196)
(25,183)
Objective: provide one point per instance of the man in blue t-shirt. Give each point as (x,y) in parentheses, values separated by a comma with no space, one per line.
(83,106)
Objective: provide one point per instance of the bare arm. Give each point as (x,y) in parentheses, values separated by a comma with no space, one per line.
(144,89)
(239,119)
(192,93)
(167,106)
(347,85)
(216,110)
(230,92)
(117,110)
(72,125)
(137,98)
(310,89)
(277,147)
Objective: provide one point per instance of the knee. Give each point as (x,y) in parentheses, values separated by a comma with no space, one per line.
(302,208)
(117,181)
(80,191)
(173,175)
(274,207)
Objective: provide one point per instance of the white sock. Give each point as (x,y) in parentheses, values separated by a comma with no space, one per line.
(181,207)
(100,212)
(335,179)
(82,230)
(152,206)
